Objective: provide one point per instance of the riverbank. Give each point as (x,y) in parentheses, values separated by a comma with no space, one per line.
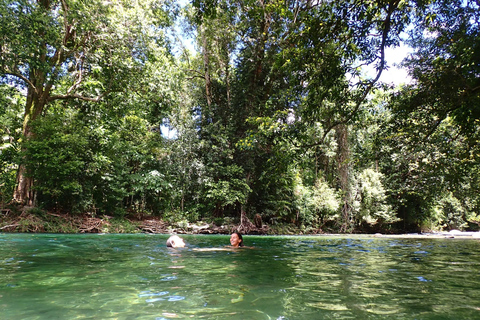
(34,220)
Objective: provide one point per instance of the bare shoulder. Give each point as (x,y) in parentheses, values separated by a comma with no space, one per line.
(211,249)
(226,248)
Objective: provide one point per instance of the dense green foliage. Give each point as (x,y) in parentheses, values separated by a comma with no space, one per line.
(271,112)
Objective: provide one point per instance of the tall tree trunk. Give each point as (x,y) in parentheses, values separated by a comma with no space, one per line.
(23,192)
(226,66)
(206,66)
(343,163)
(35,104)
(37,94)
(259,57)
(40,77)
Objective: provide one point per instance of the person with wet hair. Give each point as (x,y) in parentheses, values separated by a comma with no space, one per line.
(175,242)
(236,240)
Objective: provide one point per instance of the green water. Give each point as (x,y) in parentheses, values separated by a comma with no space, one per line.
(137,277)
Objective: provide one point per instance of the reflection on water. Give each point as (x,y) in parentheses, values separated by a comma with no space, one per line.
(137,277)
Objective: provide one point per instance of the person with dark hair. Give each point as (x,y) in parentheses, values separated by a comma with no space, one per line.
(236,239)
(175,242)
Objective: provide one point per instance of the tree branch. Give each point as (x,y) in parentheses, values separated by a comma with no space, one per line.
(77,96)
(370,84)
(476,88)
(65,22)
(79,80)
(200,75)
(193,77)
(21,77)
(386,29)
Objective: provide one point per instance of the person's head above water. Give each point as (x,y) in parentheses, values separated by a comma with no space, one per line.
(236,240)
(175,242)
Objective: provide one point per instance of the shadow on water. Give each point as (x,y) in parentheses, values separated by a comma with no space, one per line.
(138,277)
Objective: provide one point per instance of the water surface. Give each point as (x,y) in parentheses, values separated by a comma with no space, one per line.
(45,276)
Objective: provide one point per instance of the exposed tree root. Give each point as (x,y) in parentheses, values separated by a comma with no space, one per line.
(247,227)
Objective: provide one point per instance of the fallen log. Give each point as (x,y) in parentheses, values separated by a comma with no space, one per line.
(9,226)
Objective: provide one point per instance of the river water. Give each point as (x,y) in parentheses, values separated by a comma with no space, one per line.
(49,276)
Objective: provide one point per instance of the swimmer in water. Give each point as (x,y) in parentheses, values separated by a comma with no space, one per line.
(175,242)
(236,240)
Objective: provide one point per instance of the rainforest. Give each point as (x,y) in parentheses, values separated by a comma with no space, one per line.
(270,116)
